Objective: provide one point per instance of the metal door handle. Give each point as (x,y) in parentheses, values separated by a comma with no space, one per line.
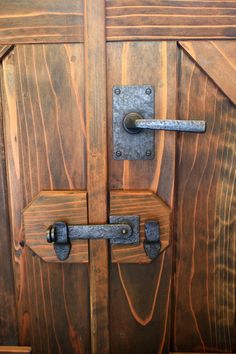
(133,122)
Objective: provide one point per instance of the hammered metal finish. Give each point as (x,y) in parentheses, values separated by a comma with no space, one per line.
(128,99)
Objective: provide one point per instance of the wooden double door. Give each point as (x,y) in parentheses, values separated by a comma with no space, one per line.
(60,63)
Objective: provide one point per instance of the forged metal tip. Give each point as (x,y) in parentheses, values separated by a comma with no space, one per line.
(50,235)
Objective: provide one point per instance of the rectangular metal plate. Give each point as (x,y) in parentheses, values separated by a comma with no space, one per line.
(127,99)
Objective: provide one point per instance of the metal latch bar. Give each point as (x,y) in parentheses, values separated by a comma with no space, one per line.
(122,230)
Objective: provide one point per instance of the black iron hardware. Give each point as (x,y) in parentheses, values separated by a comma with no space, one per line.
(122,230)
(152,243)
(133,123)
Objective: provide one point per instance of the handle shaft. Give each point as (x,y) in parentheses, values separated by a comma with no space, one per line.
(192,126)
(134,122)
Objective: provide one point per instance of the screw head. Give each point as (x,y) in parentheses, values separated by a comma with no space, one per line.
(148,153)
(148,91)
(118,153)
(117,91)
(124,231)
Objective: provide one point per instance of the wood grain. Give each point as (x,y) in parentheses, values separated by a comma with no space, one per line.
(149,207)
(40,135)
(140,294)
(47,208)
(21,350)
(173,19)
(214,57)
(96,116)
(41,21)
(205,218)
(8,323)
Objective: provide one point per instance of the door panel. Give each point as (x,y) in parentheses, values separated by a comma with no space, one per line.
(205,224)
(8,326)
(140,294)
(39,131)
(57,111)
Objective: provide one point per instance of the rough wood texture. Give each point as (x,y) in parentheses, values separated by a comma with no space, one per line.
(140,294)
(218,60)
(20,350)
(205,218)
(41,134)
(41,21)
(96,117)
(173,19)
(8,323)
(43,211)
(149,207)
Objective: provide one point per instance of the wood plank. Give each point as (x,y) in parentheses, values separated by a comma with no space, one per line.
(96,115)
(20,350)
(215,58)
(40,135)
(8,327)
(43,211)
(47,22)
(140,293)
(204,307)
(175,19)
(41,21)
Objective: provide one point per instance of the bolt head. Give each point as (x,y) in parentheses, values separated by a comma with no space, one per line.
(148,91)
(148,153)
(117,91)
(124,231)
(118,153)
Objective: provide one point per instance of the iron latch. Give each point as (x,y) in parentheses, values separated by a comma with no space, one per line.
(122,230)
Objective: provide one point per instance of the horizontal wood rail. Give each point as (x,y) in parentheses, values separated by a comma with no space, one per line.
(63,22)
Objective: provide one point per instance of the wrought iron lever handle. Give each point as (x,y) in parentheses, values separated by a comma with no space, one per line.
(133,122)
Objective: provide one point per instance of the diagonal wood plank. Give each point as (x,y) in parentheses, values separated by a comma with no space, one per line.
(4,49)
(218,60)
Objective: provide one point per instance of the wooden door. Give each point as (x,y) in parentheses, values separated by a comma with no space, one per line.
(60,62)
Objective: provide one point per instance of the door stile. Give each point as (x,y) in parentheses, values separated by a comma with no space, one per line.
(95,93)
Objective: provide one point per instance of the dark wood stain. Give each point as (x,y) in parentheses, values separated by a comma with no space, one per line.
(204,308)
(147,206)
(181,19)
(41,21)
(96,118)
(48,207)
(140,294)
(52,299)
(8,323)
